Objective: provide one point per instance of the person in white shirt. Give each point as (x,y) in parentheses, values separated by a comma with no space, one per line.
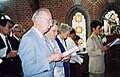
(6,51)
(75,60)
(17,31)
(64,31)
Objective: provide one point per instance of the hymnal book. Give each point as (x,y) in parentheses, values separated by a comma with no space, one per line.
(114,42)
(77,59)
(74,49)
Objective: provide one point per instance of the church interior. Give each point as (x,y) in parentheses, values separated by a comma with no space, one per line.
(78,14)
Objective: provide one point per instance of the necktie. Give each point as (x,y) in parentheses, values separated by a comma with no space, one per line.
(8,45)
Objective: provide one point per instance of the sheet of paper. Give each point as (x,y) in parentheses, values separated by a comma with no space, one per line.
(74,49)
(3,52)
(77,59)
(114,42)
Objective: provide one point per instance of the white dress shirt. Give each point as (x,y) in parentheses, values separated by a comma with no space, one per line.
(3,50)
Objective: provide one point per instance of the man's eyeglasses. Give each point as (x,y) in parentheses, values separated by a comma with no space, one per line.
(50,21)
(45,18)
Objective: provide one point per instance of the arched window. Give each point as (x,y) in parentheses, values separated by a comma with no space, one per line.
(111,21)
(79,24)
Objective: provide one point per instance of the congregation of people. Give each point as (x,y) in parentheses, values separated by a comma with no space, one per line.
(38,52)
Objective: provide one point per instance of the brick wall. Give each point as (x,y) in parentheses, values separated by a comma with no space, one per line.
(58,8)
(19,11)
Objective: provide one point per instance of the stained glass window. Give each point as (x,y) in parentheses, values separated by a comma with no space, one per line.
(110,22)
(79,24)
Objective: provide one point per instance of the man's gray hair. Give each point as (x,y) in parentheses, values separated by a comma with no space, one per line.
(64,28)
(38,13)
(17,27)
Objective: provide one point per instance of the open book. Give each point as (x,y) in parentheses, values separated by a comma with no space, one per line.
(114,42)
(74,49)
(77,59)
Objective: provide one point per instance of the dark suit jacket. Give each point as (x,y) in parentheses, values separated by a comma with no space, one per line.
(14,42)
(12,65)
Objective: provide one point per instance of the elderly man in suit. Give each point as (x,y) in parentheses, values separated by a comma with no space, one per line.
(96,51)
(37,58)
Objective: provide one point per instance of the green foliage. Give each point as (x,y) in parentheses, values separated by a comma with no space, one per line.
(118,27)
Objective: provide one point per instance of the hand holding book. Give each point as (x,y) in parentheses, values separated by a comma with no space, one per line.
(68,52)
(113,42)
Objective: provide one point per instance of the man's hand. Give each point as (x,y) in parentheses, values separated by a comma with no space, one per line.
(55,57)
(11,54)
(66,58)
(104,48)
